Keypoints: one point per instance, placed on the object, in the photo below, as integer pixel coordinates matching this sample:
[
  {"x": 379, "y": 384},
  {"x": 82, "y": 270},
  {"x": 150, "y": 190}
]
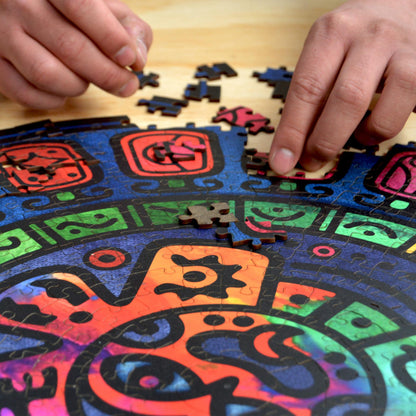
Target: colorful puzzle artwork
[{"x": 110, "y": 306}]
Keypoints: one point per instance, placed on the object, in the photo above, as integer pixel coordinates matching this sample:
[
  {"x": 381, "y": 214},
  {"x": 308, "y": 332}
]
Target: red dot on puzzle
[
  {"x": 149, "y": 382},
  {"x": 107, "y": 259},
  {"x": 324, "y": 251}
]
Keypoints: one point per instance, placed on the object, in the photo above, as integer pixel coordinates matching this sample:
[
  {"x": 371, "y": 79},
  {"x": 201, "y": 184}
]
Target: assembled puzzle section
[{"x": 109, "y": 305}]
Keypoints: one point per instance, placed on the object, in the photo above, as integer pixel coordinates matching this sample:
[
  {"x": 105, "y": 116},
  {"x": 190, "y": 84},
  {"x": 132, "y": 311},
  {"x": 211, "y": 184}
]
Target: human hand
[
  {"x": 362, "y": 47},
  {"x": 52, "y": 49}
]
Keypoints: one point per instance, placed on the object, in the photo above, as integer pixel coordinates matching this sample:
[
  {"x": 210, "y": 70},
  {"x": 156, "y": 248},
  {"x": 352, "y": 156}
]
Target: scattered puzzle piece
[
  {"x": 202, "y": 90},
  {"x": 168, "y": 106},
  {"x": 279, "y": 78},
  {"x": 204, "y": 218},
  {"x": 215, "y": 72},
  {"x": 244, "y": 117}
]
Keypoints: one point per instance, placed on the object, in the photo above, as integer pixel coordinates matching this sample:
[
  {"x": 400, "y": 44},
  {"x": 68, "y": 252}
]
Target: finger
[
  {"x": 40, "y": 68},
  {"x": 138, "y": 30},
  {"x": 107, "y": 32},
  {"x": 347, "y": 104},
  {"x": 15, "y": 87},
  {"x": 395, "y": 104},
  {"x": 312, "y": 80},
  {"x": 78, "y": 52}
]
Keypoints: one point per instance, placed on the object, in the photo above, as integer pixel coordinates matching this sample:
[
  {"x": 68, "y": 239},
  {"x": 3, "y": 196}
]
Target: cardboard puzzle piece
[
  {"x": 151, "y": 79},
  {"x": 202, "y": 90},
  {"x": 279, "y": 78},
  {"x": 215, "y": 71},
  {"x": 167, "y": 106},
  {"x": 204, "y": 218},
  {"x": 244, "y": 117}
]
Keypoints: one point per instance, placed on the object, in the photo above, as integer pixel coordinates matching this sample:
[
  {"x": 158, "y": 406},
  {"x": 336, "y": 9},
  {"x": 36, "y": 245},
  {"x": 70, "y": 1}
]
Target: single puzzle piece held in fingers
[
  {"x": 150, "y": 79},
  {"x": 244, "y": 117},
  {"x": 204, "y": 218}
]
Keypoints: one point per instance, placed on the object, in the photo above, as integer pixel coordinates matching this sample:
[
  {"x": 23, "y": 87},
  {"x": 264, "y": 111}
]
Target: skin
[
  {"x": 361, "y": 48},
  {"x": 49, "y": 50}
]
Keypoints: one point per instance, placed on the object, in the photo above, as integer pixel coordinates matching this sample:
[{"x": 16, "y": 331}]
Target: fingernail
[
  {"x": 125, "y": 56},
  {"x": 129, "y": 88},
  {"x": 141, "y": 51},
  {"x": 282, "y": 160}
]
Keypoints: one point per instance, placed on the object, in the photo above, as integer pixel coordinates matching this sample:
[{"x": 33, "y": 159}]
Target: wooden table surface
[{"x": 248, "y": 35}]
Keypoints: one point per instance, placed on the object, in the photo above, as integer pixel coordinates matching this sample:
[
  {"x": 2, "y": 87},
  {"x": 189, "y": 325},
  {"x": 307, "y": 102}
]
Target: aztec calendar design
[{"x": 110, "y": 306}]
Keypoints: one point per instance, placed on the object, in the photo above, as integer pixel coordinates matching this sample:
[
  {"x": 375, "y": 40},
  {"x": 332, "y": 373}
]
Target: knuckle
[
  {"x": 75, "y": 8},
  {"x": 78, "y": 89},
  {"x": 34, "y": 100},
  {"x": 18, "y": 5},
  {"x": 331, "y": 24},
  {"x": 111, "y": 78},
  {"x": 42, "y": 73},
  {"x": 25, "y": 100},
  {"x": 147, "y": 31},
  {"x": 324, "y": 150},
  {"x": 294, "y": 137},
  {"x": 351, "y": 93},
  {"x": 309, "y": 89},
  {"x": 111, "y": 40},
  {"x": 384, "y": 128},
  {"x": 69, "y": 46},
  {"x": 405, "y": 76},
  {"x": 383, "y": 29}
]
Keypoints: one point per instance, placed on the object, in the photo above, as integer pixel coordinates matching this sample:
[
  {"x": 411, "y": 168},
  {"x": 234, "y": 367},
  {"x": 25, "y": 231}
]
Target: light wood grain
[{"x": 249, "y": 35}]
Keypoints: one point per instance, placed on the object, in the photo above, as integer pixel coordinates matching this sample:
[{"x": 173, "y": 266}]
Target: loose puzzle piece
[
  {"x": 279, "y": 78},
  {"x": 202, "y": 90},
  {"x": 204, "y": 218},
  {"x": 150, "y": 79},
  {"x": 215, "y": 72},
  {"x": 244, "y": 117},
  {"x": 168, "y": 106}
]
